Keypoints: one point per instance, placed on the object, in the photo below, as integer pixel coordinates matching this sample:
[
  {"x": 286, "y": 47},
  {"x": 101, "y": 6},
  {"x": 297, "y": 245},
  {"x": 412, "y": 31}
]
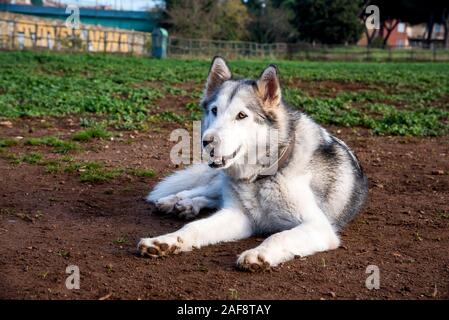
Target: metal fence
[
  {"x": 194, "y": 48},
  {"x": 19, "y": 34},
  {"x": 306, "y": 51}
]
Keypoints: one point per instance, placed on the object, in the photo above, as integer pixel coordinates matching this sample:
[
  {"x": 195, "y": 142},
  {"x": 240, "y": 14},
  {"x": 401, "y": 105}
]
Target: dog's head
[{"x": 242, "y": 118}]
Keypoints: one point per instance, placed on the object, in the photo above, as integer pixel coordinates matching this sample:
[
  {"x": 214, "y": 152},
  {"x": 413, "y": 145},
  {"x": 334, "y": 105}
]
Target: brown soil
[{"x": 50, "y": 221}]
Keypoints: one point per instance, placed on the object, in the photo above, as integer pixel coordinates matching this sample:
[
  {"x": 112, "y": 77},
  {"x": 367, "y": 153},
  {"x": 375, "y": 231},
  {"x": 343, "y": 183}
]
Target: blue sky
[{"x": 118, "y": 4}]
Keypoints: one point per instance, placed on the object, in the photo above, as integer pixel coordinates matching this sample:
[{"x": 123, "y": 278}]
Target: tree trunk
[
  {"x": 389, "y": 31},
  {"x": 446, "y": 28},
  {"x": 430, "y": 24},
  {"x": 369, "y": 37}
]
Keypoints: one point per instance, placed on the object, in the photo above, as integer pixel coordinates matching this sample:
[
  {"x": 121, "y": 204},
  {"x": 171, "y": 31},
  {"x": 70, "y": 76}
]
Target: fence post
[
  {"x": 105, "y": 41},
  {"x": 120, "y": 42},
  {"x": 13, "y": 38},
  {"x": 56, "y": 39},
  {"x": 35, "y": 36},
  {"x": 87, "y": 40},
  {"x": 73, "y": 39}
]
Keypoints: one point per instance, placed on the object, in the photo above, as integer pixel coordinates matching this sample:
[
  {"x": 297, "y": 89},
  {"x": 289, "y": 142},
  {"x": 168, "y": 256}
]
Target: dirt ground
[{"x": 49, "y": 221}]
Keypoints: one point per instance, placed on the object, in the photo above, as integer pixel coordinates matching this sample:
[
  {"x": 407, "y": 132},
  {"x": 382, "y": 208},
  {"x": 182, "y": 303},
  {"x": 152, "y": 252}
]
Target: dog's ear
[
  {"x": 218, "y": 73},
  {"x": 268, "y": 87}
]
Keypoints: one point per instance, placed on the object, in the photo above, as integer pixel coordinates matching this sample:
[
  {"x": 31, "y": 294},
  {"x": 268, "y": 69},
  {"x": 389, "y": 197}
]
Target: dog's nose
[{"x": 207, "y": 140}]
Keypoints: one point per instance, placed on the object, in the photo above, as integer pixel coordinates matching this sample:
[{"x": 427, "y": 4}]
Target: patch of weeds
[
  {"x": 43, "y": 275},
  {"x": 6, "y": 211},
  {"x": 174, "y": 91},
  {"x": 52, "y": 166},
  {"x": 24, "y": 217},
  {"x": 38, "y": 215},
  {"x": 380, "y": 118},
  {"x": 99, "y": 132},
  {"x": 91, "y": 123},
  {"x": 233, "y": 294},
  {"x": 109, "y": 268},
  {"x": 418, "y": 236},
  {"x": 92, "y": 171},
  {"x": 99, "y": 175},
  {"x": 202, "y": 267},
  {"x": 195, "y": 111},
  {"x": 13, "y": 158},
  {"x": 323, "y": 263},
  {"x": 167, "y": 116},
  {"x": 142, "y": 173},
  {"x": 67, "y": 159},
  {"x": 64, "y": 253},
  {"x": 4, "y": 143},
  {"x": 31, "y": 158},
  {"x": 82, "y": 166},
  {"x": 443, "y": 215},
  {"x": 59, "y": 145},
  {"x": 121, "y": 240}
]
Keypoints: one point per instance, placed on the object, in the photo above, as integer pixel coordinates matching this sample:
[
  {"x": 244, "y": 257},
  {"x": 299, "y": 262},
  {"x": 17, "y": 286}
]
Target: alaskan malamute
[{"x": 301, "y": 190}]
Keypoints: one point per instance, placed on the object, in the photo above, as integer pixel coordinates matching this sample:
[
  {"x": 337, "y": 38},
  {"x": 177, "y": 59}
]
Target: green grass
[
  {"x": 93, "y": 171},
  {"x": 404, "y": 98},
  {"x": 92, "y": 133},
  {"x": 121, "y": 240},
  {"x": 53, "y": 166},
  {"x": 31, "y": 158},
  {"x": 59, "y": 145},
  {"x": 87, "y": 171},
  {"x": 142, "y": 173},
  {"x": 4, "y": 142}
]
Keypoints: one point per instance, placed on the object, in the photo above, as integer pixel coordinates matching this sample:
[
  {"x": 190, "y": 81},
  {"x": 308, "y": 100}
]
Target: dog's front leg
[
  {"x": 225, "y": 225},
  {"x": 303, "y": 240}
]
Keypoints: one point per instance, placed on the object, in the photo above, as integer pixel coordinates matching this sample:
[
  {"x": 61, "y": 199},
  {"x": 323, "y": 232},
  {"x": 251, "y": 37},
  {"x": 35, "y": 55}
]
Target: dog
[{"x": 315, "y": 187}]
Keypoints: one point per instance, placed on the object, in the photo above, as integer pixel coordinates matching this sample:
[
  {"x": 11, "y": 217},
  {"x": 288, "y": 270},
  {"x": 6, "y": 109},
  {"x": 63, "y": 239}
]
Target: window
[{"x": 401, "y": 27}]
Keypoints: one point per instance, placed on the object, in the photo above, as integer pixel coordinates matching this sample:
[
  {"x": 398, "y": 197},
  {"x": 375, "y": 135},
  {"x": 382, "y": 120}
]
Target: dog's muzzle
[{"x": 221, "y": 161}]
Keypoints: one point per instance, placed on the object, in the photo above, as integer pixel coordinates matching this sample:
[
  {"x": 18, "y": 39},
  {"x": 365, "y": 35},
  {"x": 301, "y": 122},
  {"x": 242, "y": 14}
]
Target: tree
[
  {"x": 233, "y": 18},
  {"x": 329, "y": 21},
  {"x": 270, "y": 22},
  {"x": 192, "y": 18},
  {"x": 207, "y": 19}
]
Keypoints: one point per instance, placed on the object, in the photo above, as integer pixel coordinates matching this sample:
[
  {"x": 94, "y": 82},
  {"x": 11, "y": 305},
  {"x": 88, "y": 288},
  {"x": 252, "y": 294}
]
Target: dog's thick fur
[{"x": 315, "y": 191}]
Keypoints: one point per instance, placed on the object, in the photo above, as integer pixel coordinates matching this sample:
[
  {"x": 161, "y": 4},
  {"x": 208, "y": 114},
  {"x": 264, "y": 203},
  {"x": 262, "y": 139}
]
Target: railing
[
  {"x": 194, "y": 48},
  {"x": 19, "y": 34},
  {"x": 303, "y": 51}
]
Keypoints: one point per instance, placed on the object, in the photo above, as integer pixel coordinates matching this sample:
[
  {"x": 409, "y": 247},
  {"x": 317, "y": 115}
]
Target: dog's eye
[
  {"x": 241, "y": 116},
  {"x": 214, "y": 110}
]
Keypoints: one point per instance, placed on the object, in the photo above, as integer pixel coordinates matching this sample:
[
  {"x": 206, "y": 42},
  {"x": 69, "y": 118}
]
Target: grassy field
[{"x": 123, "y": 92}]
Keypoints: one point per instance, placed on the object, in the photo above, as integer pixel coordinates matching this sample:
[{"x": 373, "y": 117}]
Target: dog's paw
[
  {"x": 254, "y": 260},
  {"x": 167, "y": 204},
  {"x": 187, "y": 208},
  {"x": 160, "y": 246}
]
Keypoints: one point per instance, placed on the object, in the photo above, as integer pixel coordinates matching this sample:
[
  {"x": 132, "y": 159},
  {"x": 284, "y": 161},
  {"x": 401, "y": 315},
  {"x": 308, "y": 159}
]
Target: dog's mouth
[{"x": 224, "y": 160}]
